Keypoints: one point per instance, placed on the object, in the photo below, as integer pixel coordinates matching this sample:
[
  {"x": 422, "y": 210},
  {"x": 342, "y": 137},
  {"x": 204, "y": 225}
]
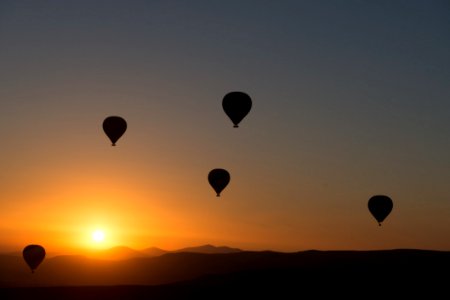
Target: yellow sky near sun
[
  {"x": 170, "y": 208},
  {"x": 57, "y": 193},
  {"x": 144, "y": 211}
]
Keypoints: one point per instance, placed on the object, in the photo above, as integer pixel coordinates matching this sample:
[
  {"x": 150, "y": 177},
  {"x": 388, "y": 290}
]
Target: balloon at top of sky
[
  {"x": 380, "y": 207},
  {"x": 218, "y": 179},
  {"x": 114, "y": 127},
  {"x": 236, "y": 105},
  {"x": 33, "y": 256}
]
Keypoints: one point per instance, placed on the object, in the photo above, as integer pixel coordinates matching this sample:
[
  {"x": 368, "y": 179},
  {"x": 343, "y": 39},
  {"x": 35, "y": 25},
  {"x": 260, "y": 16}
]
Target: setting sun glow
[{"x": 98, "y": 236}]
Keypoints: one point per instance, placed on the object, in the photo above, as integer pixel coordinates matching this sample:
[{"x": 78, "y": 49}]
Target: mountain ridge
[
  {"x": 76, "y": 270},
  {"x": 124, "y": 252}
]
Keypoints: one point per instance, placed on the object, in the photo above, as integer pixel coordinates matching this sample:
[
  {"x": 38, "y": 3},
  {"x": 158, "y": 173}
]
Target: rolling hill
[
  {"x": 123, "y": 252},
  {"x": 209, "y": 249},
  {"x": 154, "y": 251},
  {"x": 250, "y": 267}
]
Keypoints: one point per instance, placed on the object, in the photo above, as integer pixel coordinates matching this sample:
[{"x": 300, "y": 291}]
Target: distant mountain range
[
  {"x": 209, "y": 249},
  {"x": 229, "y": 267},
  {"x": 122, "y": 252}
]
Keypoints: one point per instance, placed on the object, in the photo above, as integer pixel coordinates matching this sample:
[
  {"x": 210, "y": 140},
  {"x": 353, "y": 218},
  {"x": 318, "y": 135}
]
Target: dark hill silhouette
[
  {"x": 340, "y": 270},
  {"x": 209, "y": 249},
  {"x": 122, "y": 252},
  {"x": 154, "y": 251},
  {"x": 206, "y": 249}
]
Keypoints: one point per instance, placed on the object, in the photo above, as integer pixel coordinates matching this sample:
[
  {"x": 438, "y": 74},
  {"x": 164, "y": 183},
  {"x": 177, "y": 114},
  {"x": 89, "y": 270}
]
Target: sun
[{"x": 98, "y": 236}]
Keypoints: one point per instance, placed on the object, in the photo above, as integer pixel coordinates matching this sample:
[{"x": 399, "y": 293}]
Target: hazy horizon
[
  {"x": 90, "y": 250},
  {"x": 229, "y": 270}
]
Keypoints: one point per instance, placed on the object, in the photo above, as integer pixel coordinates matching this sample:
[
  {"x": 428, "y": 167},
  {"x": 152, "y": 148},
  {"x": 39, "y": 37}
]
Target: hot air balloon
[
  {"x": 114, "y": 128},
  {"x": 236, "y": 105},
  {"x": 218, "y": 179},
  {"x": 33, "y": 256},
  {"x": 380, "y": 207}
]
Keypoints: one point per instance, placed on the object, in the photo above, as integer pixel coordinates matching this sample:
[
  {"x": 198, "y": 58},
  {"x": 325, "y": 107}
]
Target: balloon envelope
[
  {"x": 218, "y": 179},
  {"x": 114, "y": 127},
  {"x": 33, "y": 256},
  {"x": 380, "y": 207},
  {"x": 236, "y": 105}
]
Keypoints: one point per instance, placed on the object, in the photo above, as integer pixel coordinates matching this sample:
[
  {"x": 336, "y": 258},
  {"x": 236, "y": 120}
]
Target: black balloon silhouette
[
  {"x": 33, "y": 256},
  {"x": 236, "y": 105},
  {"x": 380, "y": 207},
  {"x": 218, "y": 179},
  {"x": 114, "y": 128}
]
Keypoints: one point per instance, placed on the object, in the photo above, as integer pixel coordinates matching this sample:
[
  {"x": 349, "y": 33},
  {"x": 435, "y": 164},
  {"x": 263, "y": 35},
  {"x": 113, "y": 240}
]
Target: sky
[{"x": 350, "y": 99}]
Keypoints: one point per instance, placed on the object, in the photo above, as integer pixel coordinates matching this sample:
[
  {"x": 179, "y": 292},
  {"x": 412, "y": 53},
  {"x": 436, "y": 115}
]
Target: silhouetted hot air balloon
[
  {"x": 380, "y": 207},
  {"x": 236, "y": 105},
  {"x": 114, "y": 128},
  {"x": 218, "y": 179},
  {"x": 33, "y": 256}
]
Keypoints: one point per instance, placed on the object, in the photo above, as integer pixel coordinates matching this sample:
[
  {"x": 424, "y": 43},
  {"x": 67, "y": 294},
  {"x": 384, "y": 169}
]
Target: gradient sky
[{"x": 350, "y": 99}]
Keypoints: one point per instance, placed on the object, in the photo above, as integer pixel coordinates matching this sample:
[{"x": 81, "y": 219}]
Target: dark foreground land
[{"x": 303, "y": 275}]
